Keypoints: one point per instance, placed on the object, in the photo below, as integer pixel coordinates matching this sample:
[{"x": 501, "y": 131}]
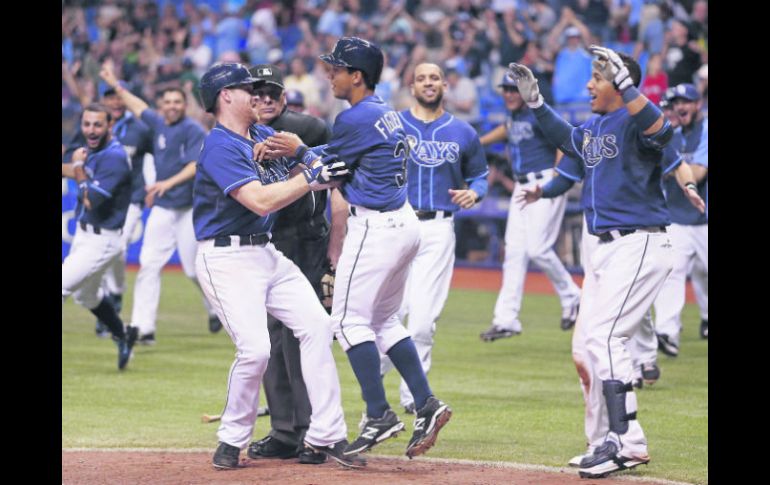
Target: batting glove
[
  {"x": 326, "y": 171},
  {"x": 611, "y": 67},
  {"x": 526, "y": 83}
]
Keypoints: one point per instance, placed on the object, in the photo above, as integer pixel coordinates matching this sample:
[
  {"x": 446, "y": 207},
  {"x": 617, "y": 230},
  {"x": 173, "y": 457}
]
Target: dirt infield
[{"x": 163, "y": 467}]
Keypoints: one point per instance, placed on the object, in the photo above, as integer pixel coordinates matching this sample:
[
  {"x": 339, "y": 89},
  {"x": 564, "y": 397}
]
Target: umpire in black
[{"x": 301, "y": 233}]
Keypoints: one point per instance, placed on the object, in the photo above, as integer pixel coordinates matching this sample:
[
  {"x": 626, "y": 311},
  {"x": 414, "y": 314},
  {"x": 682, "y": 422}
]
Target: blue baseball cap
[
  {"x": 294, "y": 97},
  {"x": 107, "y": 90},
  {"x": 508, "y": 81},
  {"x": 686, "y": 91}
]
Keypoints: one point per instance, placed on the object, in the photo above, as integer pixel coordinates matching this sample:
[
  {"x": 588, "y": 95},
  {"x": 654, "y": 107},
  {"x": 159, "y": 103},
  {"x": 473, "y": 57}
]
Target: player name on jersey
[{"x": 388, "y": 123}]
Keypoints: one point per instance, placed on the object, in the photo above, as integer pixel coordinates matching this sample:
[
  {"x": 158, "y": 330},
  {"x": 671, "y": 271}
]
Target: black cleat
[
  {"x": 569, "y": 317},
  {"x": 704, "y": 329},
  {"x": 427, "y": 423},
  {"x": 667, "y": 346},
  {"x": 270, "y": 447},
  {"x": 308, "y": 456},
  {"x": 214, "y": 324},
  {"x": 606, "y": 460},
  {"x": 147, "y": 339},
  {"x": 226, "y": 457},
  {"x": 339, "y": 453},
  {"x": 494, "y": 332},
  {"x": 375, "y": 431}
]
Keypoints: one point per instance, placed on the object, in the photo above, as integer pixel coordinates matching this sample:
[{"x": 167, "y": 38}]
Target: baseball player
[
  {"x": 622, "y": 154},
  {"x": 176, "y": 144},
  {"x": 247, "y": 277},
  {"x": 102, "y": 170},
  {"x": 447, "y": 171},
  {"x": 136, "y": 139},
  {"x": 301, "y": 232},
  {"x": 382, "y": 240},
  {"x": 531, "y": 233},
  {"x": 642, "y": 346},
  {"x": 689, "y": 228}
]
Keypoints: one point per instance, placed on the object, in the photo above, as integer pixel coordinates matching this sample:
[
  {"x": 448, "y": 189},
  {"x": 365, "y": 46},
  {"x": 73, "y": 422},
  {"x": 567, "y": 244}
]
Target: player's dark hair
[
  {"x": 634, "y": 70},
  {"x": 367, "y": 81},
  {"x": 99, "y": 108},
  {"x": 174, "y": 89}
]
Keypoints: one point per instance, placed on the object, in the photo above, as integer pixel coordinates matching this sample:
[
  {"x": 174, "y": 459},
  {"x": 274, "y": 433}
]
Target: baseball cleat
[
  {"x": 427, "y": 423},
  {"x": 569, "y": 317},
  {"x": 704, "y": 329},
  {"x": 574, "y": 462},
  {"x": 125, "y": 345},
  {"x": 375, "y": 431},
  {"x": 340, "y": 452},
  {"x": 226, "y": 457},
  {"x": 494, "y": 332},
  {"x": 147, "y": 339},
  {"x": 101, "y": 330},
  {"x": 308, "y": 456},
  {"x": 667, "y": 346},
  {"x": 409, "y": 408},
  {"x": 270, "y": 447},
  {"x": 650, "y": 373},
  {"x": 606, "y": 460},
  {"x": 214, "y": 324}
]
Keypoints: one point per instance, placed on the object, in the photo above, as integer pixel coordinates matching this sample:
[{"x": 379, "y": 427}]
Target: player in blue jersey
[
  {"x": 622, "y": 154},
  {"x": 643, "y": 345},
  {"x": 136, "y": 139},
  {"x": 102, "y": 170},
  {"x": 382, "y": 240},
  {"x": 447, "y": 172},
  {"x": 689, "y": 228},
  {"x": 244, "y": 274},
  {"x": 177, "y": 143},
  {"x": 530, "y": 232}
]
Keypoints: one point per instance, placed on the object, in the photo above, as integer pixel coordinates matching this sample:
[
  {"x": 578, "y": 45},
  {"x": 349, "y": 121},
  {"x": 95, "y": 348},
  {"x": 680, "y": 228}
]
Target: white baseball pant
[
  {"x": 114, "y": 281},
  {"x": 699, "y": 276},
  {"x": 690, "y": 242},
  {"x": 624, "y": 277},
  {"x": 427, "y": 288},
  {"x": 530, "y": 234},
  {"x": 643, "y": 346},
  {"x": 167, "y": 229},
  {"x": 82, "y": 269},
  {"x": 371, "y": 277},
  {"x": 245, "y": 283}
]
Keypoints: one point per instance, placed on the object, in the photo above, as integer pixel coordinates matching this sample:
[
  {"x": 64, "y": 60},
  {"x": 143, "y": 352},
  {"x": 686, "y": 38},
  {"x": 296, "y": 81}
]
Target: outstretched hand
[
  {"x": 611, "y": 67},
  {"x": 526, "y": 83}
]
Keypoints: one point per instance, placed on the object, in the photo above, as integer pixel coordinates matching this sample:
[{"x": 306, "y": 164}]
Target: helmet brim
[{"x": 330, "y": 59}]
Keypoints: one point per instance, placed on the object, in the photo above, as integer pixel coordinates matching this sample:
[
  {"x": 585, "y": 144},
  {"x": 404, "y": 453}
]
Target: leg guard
[{"x": 615, "y": 396}]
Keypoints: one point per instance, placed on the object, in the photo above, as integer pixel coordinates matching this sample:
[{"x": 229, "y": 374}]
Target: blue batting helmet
[
  {"x": 686, "y": 91},
  {"x": 219, "y": 77},
  {"x": 357, "y": 54}
]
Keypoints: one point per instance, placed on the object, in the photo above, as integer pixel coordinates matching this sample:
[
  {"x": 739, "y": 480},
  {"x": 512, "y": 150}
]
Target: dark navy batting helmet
[
  {"x": 358, "y": 54},
  {"x": 508, "y": 81},
  {"x": 219, "y": 77}
]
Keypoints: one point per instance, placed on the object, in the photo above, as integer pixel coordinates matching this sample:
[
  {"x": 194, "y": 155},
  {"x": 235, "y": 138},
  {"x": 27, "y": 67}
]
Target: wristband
[
  {"x": 77, "y": 164},
  {"x": 691, "y": 185},
  {"x": 300, "y": 153}
]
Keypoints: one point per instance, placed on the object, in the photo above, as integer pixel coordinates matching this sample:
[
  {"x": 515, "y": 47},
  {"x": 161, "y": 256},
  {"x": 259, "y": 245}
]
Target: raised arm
[{"x": 134, "y": 103}]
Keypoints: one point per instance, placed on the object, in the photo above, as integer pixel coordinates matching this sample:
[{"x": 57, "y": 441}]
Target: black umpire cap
[{"x": 267, "y": 73}]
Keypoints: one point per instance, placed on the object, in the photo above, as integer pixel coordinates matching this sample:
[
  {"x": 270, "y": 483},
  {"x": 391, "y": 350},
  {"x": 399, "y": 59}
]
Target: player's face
[
  {"x": 244, "y": 102},
  {"x": 172, "y": 105},
  {"x": 603, "y": 93},
  {"x": 686, "y": 110},
  {"x": 342, "y": 82},
  {"x": 115, "y": 104},
  {"x": 512, "y": 98},
  {"x": 428, "y": 87},
  {"x": 95, "y": 128},
  {"x": 271, "y": 99}
]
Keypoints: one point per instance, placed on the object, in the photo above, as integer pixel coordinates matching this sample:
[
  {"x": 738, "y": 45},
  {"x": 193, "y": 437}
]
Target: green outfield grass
[{"x": 514, "y": 400}]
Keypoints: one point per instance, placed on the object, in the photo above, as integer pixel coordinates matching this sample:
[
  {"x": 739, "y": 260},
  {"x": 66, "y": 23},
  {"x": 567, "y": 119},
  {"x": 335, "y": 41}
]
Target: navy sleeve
[
  {"x": 347, "y": 142},
  {"x": 228, "y": 168},
  {"x": 671, "y": 159},
  {"x": 556, "y": 187},
  {"x": 571, "y": 167},
  {"x": 109, "y": 171},
  {"x": 152, "y": 118},
  {"x": 560, "y": 133},
  {"x": 193, "y": 143}
]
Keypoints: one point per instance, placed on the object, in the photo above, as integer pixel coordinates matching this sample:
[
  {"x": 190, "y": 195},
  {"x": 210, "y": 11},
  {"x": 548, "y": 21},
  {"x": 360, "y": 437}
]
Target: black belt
[
  {"x": 84, "y": 226},
  {"x": 353, "y": 210},
  {"x": 616, "y": 234},
  {"x": 428, "y": 215},
  {"x": 523, "y": 179},
  {"x": 247, "y": 240}
]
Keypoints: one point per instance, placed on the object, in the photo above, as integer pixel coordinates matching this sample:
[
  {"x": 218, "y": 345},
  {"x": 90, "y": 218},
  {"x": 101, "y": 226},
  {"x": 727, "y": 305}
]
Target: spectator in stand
[
  {"x": 594, "y": 14},
  {"x": 303, "y": 82},
  {"x": 699, "y": 24},
  {"x": 506, "y": 31},
  {"x": 199, "y": 53},
  {"x": 262, "y": 32},
  {"x": 681, "y": 54},
  {"x": 651, "y": 31},
  {"x": 572, "y": 68},
  {"x": 230, "y": 29},
  {"x": 295, "y": 101},
  {"x": 655, "y": 80},
  {"x": 461, "y": 98}
]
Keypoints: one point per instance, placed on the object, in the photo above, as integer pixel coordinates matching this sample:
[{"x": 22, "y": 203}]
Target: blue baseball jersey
[
  {"x": 528, "y": 148},
  {"x": 226, "y": 163},
  {"x": 136, "y": 138},
  {"x": 109, "y": 176},
  {"x": 623, "y": 169},
  {"x": 693, "y": 146},
  {"x": 174, "y": 146},
  {"x": 371, "y": 139},
  {"x": 444, "y": 154}
]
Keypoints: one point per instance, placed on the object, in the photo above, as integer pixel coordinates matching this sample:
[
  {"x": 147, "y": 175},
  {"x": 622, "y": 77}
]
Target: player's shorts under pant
[
  {"x": 690, "y": 245},
  {"x": 371, "y": 277},
  {"x": 623, "y": 277},
  {"x": 167, "y": 230},
  {"x": 84, "y": 266},
  {"x": 244, "y": 283},
  {"x": 530, "y": 234},
  {"x": 427, "y": 288}
]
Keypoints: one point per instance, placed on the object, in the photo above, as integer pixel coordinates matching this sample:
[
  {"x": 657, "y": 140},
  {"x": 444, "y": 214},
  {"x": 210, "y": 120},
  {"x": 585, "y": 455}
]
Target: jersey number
[{"x": 402, "y": 150}]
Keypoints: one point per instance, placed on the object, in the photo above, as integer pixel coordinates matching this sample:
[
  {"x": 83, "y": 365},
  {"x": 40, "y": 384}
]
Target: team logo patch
[
  {"x": 433, "y": 153},
  {"x": 597, "y": 148},
  {"x": 520, "y": 130},
  {"x": 162, "y": 141}
]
